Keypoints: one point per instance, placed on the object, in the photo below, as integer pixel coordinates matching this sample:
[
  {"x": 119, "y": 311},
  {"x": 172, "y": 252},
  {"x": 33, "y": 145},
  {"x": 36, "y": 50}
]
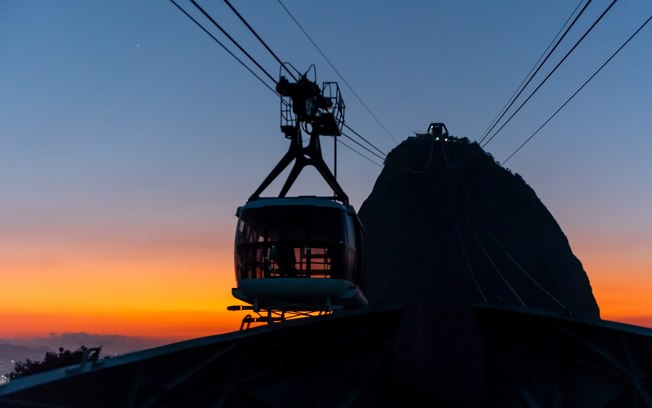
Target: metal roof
[{"x": 340, "y": 359}]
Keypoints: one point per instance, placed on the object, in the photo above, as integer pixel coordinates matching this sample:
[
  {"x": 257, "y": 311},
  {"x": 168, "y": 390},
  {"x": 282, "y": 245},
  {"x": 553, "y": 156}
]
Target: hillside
[{"x": 448, "y": 228}]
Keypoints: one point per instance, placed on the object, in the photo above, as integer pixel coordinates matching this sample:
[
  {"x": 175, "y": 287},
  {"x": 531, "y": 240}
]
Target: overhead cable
[
  {"x": 363, "y": 146},
  {"x": 368, "y": 142},
  {"x": 225, "y": 48},
  {"x": 509, "y": 256},
  {"x": 336, "y": 71},
  {"x": 528, "y": 78},
  {"x": 579, "y": 89},
  {"x": 422, "y": 170},
  {"x": 491, "y": 261},
  {"x": 464, "y": 253},
  {"x": 259, "y": 38},
  {"x": 360, "y": 154},
  {"x": 465, "y": 191},
  {"x": 453, "y": 182},
  {"x": 459, "y": 234},
  {"x": 537, "y": 66},
  {"x": 216, "y": 24},
  {"x": 553, "y": 71},
  {"x": 207, "y": 15}
]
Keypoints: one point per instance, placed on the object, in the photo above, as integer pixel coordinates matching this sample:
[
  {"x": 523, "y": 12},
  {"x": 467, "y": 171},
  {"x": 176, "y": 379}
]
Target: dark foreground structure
[
  {"x": 534, "y": 358},
  {"x": 531, "y": 358},
  {"x": 338, "y": 360}
]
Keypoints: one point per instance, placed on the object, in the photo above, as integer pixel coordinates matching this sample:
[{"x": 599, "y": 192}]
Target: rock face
[{"x": 447, "y": 228}]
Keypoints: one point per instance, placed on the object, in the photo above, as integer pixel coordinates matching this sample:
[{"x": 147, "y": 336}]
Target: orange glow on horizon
[
  {"x": 177, "y": 285},
  {"x": 620, "y": 278},
  {"x": 170, "y": 325},
  {"x": 166, "y": 284}
]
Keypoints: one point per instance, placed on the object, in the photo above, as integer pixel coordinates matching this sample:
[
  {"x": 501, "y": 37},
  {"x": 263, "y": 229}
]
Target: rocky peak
[{"x": 447, "y": 228}]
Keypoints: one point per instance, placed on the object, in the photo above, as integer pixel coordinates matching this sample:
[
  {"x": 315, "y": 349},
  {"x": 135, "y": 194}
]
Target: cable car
[
  {"x": 438, "y": 130},
  {"x": 300, "y": 254}
]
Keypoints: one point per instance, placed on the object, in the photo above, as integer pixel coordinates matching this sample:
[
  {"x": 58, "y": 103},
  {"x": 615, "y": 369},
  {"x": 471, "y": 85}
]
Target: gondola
[{"x": 301, "y": 254}]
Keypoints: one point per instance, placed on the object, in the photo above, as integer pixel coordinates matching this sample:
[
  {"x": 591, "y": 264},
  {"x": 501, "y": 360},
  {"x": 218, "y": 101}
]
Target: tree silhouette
[{"x": 54, "y": 360}]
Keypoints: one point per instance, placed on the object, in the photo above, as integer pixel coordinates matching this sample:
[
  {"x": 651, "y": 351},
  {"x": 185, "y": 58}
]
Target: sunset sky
[{"x": 129, "y": 138}]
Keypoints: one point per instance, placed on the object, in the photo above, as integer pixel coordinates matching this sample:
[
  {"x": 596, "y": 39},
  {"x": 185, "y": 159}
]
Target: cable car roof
[{"x": 313, "y": 201}]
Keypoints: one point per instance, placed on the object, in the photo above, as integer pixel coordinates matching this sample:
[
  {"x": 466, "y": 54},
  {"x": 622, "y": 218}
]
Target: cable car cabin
[{"x": 300, "y": 253}]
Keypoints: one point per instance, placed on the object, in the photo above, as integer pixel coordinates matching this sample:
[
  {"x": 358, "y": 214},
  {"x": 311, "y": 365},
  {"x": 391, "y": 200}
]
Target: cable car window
[{"x": 295, "y": 241}]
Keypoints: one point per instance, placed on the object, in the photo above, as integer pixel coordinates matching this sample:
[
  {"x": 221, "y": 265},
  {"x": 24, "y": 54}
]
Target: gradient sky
[{"x": 129, "y": 138}]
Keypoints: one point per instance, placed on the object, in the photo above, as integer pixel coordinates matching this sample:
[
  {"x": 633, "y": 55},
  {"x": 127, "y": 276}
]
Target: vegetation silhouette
[{"x": 54, "y": 360}]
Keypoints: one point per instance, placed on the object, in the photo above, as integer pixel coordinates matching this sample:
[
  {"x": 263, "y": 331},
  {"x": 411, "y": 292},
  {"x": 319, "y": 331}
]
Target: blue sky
[{"x": 126, "y": 132}]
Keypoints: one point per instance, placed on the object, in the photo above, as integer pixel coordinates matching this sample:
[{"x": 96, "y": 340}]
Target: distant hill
[
  {"x": 14, "y": 352},
  {"x": 446, "y": 228}
]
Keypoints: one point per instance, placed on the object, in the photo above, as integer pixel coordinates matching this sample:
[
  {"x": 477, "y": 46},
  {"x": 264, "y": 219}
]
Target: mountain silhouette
[{"x": 448, "y": 228}]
